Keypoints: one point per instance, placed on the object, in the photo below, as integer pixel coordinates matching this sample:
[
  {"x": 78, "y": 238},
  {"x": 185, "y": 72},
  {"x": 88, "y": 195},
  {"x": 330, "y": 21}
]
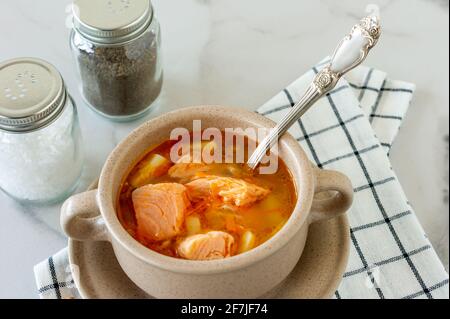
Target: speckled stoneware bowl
[{"x": 247, "y": 275}]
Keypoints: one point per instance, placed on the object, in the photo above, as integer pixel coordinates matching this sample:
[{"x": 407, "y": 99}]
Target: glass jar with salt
[
  {"x": 116, "y": 45},
  {"x": 40, "y": 141}
]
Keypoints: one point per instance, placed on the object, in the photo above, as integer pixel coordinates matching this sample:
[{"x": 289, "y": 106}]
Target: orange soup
[{"x": 201, "y": 211}]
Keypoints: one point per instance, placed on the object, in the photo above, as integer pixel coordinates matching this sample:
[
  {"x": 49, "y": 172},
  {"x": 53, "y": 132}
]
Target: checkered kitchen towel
[{"x": 350, "y": 130}]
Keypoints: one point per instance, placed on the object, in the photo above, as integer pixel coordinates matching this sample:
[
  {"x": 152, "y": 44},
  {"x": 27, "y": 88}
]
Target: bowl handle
[
  {"x": 333, "y": 195},
  {"x": 81, "y": 219}
]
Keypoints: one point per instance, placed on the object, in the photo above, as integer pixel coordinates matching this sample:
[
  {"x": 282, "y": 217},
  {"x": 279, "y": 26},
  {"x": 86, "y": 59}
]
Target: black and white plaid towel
[{"x": 350, "y": 130}]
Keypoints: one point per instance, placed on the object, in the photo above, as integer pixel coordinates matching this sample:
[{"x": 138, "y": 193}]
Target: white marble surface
[{"x": 240, "y": 53}]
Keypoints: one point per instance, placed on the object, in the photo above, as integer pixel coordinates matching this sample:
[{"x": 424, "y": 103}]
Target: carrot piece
[{"x": 232, "y": 226}]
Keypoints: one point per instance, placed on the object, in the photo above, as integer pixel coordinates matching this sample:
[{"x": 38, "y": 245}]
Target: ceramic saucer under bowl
[{"x": 317, "y": 274}]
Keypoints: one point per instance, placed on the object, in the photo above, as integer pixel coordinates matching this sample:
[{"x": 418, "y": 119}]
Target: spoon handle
[{"x": 350, "y": 53}]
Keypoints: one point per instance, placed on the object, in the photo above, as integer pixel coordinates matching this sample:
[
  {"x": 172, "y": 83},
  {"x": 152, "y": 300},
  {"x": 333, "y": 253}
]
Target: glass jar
[
  {"x": 40, "y": 141},
  {"x": 116, "y": 45}
]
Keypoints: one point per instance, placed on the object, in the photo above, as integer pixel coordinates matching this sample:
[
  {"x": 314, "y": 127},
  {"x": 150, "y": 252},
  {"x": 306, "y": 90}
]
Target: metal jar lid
[
  {"x": 32, "y": 95},
  {"x": 111, "y": 21}
]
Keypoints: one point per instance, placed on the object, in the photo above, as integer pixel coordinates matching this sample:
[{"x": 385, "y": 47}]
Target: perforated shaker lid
[
  {"x": 32, "y": 94},
  {"x": 111, "y": 21}
]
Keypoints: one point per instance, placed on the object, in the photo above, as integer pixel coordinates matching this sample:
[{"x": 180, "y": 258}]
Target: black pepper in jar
[{"x": 120, "y": 70}]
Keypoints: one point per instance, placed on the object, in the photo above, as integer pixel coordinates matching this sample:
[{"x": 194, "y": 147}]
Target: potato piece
[
  {"x": 156, "y": 166},
  {"x": 274, "y": 218},
  {"x": 193, "y": 225},
  {"x": 271, "y": 202},
  {"x": 248, "y": 241}
]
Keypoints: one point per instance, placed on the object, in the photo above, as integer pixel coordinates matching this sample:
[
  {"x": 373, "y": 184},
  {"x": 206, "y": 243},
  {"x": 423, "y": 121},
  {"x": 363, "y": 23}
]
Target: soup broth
[{"x": 207, "y": 211}]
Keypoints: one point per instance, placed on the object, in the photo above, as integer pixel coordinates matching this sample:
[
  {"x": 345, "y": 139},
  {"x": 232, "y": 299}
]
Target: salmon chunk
[
  {"x": 212, "y": 245},
  {"x": 231, "y": 190},
  {"x": 187, "y": 170},
  {"x": 160, "y": 210}
]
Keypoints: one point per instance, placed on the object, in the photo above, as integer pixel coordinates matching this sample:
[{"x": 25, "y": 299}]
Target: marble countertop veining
[{"x": 241, "y": 53}]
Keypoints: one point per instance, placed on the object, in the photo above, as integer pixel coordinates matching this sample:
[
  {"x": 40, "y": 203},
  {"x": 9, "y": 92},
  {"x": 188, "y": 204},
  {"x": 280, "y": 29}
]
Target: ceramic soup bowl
[{"x": 91, "y": 216}]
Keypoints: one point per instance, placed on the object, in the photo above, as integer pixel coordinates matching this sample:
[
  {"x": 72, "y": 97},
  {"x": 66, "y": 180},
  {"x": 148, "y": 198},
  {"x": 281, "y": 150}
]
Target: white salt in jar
[{"x": 40, "y": 141}]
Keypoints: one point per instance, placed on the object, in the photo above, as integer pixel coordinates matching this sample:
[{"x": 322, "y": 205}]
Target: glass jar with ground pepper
[{"x": 116, "y": 44}]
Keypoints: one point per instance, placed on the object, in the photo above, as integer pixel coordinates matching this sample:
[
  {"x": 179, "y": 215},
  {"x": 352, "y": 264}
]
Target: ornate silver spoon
[{"x": 350, "y": 53}]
